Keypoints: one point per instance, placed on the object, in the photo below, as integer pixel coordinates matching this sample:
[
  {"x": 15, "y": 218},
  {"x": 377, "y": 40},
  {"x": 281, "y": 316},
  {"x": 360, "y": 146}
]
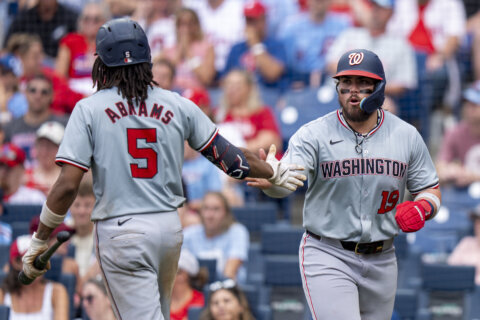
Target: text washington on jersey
[{"x": 363, "y": 166}]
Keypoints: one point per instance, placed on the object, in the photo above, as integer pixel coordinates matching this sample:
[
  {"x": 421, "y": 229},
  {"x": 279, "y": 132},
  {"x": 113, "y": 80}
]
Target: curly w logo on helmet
[{"x": 355, "y": 58}]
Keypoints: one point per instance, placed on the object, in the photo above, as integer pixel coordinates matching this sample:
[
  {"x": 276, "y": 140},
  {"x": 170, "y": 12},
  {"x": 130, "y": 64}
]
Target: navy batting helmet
[
  {"x": 122, "y": 42},
  {"x": 365, "y": 63}
]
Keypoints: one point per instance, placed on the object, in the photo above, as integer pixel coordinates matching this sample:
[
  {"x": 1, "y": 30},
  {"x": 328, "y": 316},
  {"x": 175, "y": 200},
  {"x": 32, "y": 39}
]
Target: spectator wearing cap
[
  {"x": 263, "y": 56},
  {"x": 22, "y": 131},
  {"x": 458, "y": 161},
  {"x": 44, "y": 172},
  {"x": 307, "y": 38},
  {"x": 397, "y": 55},
  {"x": 192, "y": 54},
  {"x": 12, "y": 177},
  {"x": 188, "y": 286},
  {"x": 41, "y": 299},
  {"x": 467, "y": 251}
]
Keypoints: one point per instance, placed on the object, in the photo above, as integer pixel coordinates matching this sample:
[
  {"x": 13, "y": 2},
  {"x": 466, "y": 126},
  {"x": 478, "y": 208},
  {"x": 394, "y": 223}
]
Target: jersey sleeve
[
  {"x": 76, "y": 147},
  {"x": 200, "y": 130},
  {"x": 301, "y": 151},
  {"x": 421, "y": 170}
]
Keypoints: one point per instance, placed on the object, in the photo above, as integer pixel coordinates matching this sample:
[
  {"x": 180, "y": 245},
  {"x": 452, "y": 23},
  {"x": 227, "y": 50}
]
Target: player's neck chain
[{"x": 359, "y": 143}]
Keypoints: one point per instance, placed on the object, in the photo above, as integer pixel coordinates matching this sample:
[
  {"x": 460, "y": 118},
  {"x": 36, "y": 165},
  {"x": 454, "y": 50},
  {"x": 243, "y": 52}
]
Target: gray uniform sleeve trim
[{"x": 61, "y": 161}]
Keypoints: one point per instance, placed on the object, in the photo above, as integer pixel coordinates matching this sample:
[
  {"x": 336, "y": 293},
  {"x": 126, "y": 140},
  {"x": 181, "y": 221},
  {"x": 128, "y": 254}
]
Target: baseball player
[
  {"x": 131, "y": 135},
  {"x": 359, "y": 160}
]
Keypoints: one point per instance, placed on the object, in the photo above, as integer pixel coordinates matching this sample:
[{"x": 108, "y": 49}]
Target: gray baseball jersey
[
  {"x": 354, "y": 181},
  {"x": 135, "y": 152}
]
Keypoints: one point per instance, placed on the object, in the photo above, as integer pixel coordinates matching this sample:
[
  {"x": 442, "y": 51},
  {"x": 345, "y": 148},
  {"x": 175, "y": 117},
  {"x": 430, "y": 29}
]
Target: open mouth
[{"x": 354, "y": 101}]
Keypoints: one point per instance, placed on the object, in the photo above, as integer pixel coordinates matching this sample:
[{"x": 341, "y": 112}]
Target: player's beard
[{"x": 353, "y": 113}]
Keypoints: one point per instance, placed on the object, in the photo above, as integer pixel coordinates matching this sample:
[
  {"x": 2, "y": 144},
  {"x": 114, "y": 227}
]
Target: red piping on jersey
[
  {"x": 305, "y": 277},
  {"x": 71, "y": 163},
  {"x": 209, "y": 142},
  {"x": 434, "y": 187},
  {"x": 97, "y": 249}
]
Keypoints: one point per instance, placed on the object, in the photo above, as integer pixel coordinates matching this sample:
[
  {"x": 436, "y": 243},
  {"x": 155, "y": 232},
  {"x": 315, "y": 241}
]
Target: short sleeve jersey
[
  {"x": 135, "y": 152},
  {"x": 354, "y": 186}
]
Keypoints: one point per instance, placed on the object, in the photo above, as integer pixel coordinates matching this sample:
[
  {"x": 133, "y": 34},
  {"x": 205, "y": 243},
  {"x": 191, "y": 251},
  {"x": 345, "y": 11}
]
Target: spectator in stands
[
  {"x": 13, "y": 103},
  {"x": 188, "y": 286},
  {"x": 83, "y": 239},
  {"x": 44, "y": 172},
  {"x": 259, "y": 54},
  {"x": 163, "y": 73},
  {"x": 435, "y": 29},
  {"x": 222, "y": 22},
  {"x": 76, "y": 53},
  {"x": 192, "y": 54},
  {"x": 397, "y": 55},
  {"x": 241, "y": 106},
  {"x": 95, "y": 300},
  {"x": 307, "y": 39},
  {"x": 49, "y": 19},
  {"x": 41, "y": 299},
  {"x": 458, "y": 161},
  {"x": 5, "y": 228},
  {"x": 219, "y": 237},
  {"x": 278, "y": 12},
  {"x": 200, "y": 176},
  {"x": 29, "y": 50},
  {"x": 156, "y": 18},
  {"x": 467, "y": 251},
  {"x": 226, "y": 301},
  {"x": 12, "y": 177},
  {"x": 23, "y": 131}
]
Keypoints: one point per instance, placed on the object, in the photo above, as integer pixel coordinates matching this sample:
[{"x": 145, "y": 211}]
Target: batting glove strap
[
  {"x": 410, "y": 216},
  {"x": 36, "y": 247},
  {"x": 284, "y": 175}
]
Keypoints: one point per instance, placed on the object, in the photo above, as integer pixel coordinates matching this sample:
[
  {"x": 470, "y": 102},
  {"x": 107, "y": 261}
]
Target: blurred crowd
[{"x": 227, "y": 56}]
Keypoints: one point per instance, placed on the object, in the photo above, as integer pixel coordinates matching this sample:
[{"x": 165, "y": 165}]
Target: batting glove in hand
[
  {"x": 284, "y": 175},
  {"x": 36, "y": 247},
  {"x": 411, "y": 215}
]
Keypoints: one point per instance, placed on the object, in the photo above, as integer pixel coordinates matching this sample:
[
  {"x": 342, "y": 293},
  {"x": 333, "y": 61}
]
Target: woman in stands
[
  {"x": 241, "y": 106},
  {"x": 226, "y": 301},
  {"x": 219, "y": 237},
  {"x": 95, "y": 302},
  {"x": 40, "y": 300}
]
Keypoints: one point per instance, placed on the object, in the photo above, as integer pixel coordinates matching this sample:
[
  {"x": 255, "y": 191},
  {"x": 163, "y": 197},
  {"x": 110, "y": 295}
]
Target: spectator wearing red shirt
[
  {"x": 189, "y": 280},
  {"x": 241, "y": 106},
  {"x": 76, "y": 53}
]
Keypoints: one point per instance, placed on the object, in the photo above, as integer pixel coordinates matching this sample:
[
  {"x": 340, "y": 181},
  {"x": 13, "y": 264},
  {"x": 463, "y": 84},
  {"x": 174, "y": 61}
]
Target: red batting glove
[{"x": 411, "y": 215}]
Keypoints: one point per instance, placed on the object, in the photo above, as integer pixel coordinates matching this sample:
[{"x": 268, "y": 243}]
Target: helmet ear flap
[{"x": 375, "y": 100}]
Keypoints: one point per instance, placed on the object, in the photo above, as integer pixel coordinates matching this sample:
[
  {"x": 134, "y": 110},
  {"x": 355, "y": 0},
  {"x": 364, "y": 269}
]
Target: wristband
[
  {"x": 432, "y": 199},
  {"x": 49, "y": 218},
  {"x": 258, "y": 49}
]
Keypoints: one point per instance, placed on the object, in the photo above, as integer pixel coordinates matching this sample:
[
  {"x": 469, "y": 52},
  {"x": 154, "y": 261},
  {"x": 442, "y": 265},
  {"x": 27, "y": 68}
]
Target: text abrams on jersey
[
  {"x": 361, "y": 166},
  {"x": 156, "y": 112}
]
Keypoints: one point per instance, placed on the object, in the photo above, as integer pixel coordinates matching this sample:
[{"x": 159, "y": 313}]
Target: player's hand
[
  {"x": 411, "y": 215},
  {"x": 37, "y": 247},
  {"x": 284, "y": 175}
]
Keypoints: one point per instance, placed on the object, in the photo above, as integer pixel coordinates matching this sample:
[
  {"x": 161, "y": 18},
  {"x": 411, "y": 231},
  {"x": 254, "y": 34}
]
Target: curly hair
[{"x": 132, "y": 81}]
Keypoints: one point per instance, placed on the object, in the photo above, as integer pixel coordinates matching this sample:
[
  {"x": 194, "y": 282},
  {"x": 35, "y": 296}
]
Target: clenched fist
[{"x": 411, "y": 215}]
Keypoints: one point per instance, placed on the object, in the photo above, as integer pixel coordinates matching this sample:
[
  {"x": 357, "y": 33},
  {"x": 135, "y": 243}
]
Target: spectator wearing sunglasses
[
  {"x": 226, "y": 301},
  {"x": 23, "y": 131},
  {"x": 95, "y": 302},
  {"x": 76, "y": 53}
]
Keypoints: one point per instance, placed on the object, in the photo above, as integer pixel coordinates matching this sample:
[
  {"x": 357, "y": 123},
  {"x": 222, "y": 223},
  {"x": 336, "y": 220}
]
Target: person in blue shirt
[{"x": 259, "y": 54}]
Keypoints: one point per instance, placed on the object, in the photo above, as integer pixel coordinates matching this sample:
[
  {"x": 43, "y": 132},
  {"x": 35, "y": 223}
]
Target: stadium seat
[
  {"x": 447, "y": 291},
  {"x": 458, "y": 198},
  {"x": 4, "y": 254},
  {"x": 255, "y": 215},
  {"x": 4, "y": 312},
  {"x": 69, "y": 281},
  {"x": 3, "y": 274},
  {"x": 301, "y": 106},
  {"x": 19, "y": 228},
  {"x": 194, "y": 313},
  {"x": 55, "y": 270},
  {"x": 282, "y": 270},
  {"x": 269, "y": 96},
  {"x": 451, "y": 218},
  {"x": 439, "y": 243},
  {"x": 255, "y": 264},
  {"x": 211, "y": 265},
  {"x": 280, "y": 238},
  {"x": 406, "y": 304},
  {"x": 17, "y": 212}
]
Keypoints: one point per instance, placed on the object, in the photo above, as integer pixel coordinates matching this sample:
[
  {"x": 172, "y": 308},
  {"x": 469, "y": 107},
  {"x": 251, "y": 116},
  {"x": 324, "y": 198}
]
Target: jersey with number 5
[
  {"x": 135, "y": 152},
  {"x": 355, "y": 182}
]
